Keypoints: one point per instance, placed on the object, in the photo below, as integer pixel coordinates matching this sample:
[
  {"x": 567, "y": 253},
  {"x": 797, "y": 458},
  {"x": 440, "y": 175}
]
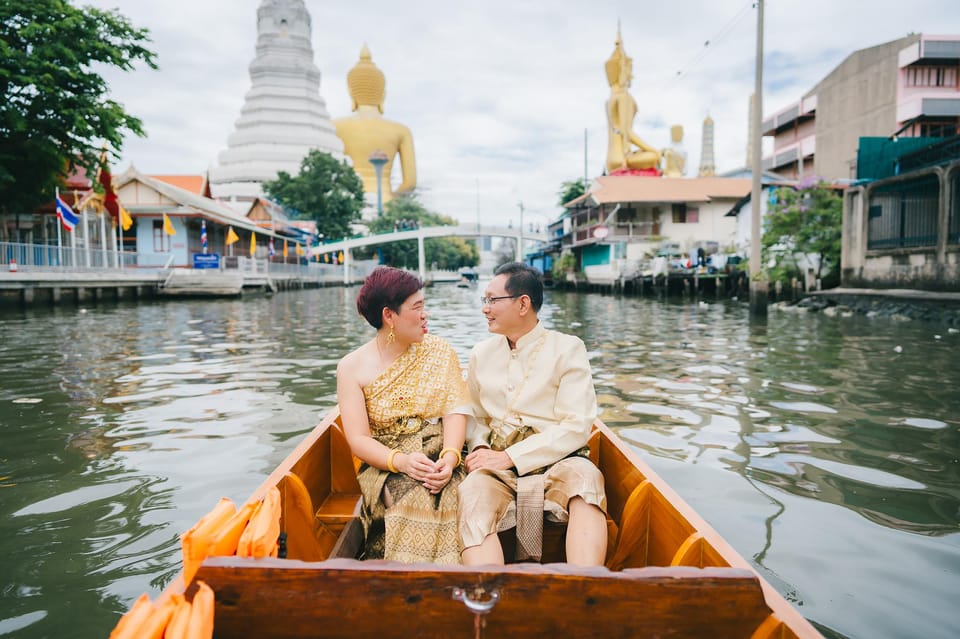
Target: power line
[{"x": 724, "y": 31}]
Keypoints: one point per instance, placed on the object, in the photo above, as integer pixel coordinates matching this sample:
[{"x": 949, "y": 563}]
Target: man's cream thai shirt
[{"x": 544, "y": 383}]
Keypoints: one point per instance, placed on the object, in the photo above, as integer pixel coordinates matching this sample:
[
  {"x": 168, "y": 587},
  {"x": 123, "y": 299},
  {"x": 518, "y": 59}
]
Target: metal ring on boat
[{"x": 477, "y": 606}]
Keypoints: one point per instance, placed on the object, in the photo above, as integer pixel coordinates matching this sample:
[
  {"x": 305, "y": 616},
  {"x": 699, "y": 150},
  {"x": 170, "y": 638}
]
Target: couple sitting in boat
[{"x": 525, "y": 414}]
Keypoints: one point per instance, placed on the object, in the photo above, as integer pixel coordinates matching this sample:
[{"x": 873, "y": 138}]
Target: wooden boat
[{"x": 667, "y": 574}]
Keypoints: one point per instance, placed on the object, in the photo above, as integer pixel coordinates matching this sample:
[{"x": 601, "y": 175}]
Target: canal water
[{"x": 825, "y": 450}]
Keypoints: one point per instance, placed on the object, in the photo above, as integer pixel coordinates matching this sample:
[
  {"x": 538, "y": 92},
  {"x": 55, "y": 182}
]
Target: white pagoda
[{"x": 283, "y": 116}]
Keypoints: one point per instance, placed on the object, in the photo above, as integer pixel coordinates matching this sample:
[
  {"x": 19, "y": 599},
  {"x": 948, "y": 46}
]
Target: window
[
  {"x": 679, "y": 213},
  {"x": 937, "y": 129},
  {"x": 161, "y": 242},
  {"x": 683, "y": 214},
  {"x": 932, "y": 76}
]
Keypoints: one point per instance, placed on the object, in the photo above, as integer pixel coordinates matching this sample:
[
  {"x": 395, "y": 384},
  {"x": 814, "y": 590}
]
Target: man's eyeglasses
[{"x": 490, "y": 300}]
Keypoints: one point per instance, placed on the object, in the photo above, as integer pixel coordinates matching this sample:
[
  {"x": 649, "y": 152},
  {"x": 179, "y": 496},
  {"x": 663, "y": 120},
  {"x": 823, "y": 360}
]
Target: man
[{"x": 534, "y": 403}]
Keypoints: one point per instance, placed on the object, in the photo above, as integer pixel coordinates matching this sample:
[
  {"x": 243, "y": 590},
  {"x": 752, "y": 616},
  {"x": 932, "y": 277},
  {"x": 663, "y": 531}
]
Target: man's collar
[{"x": 531, "y": 336}]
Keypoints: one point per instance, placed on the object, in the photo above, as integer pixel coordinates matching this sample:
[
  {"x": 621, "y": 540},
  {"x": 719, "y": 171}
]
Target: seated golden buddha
[
  {"x": 367, "y": 131},
  {"x": 625, "y": 150}
]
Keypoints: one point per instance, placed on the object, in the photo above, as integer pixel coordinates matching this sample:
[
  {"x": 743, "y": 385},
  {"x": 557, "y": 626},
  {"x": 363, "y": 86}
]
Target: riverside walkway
[{"x": 38, "y": 273}]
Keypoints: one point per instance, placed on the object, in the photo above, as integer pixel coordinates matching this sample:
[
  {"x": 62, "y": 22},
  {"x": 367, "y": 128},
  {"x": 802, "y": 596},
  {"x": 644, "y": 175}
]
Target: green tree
[
  {"x": 571, "y": 190},
  {"x": 326, "y": 190},
  {"x": 448, "y": 253},
  {"x": 804, "y": 221},
  {"x": 55, "y": 109}
]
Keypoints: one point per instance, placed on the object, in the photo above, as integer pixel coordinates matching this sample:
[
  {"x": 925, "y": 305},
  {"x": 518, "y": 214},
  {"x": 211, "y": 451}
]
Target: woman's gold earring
[{"x": 391, "y": 337}]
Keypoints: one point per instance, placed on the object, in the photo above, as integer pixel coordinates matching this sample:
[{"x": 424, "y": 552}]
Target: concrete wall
[
  {"x": 857, "y": 99},
  {"x": 935, "y": 268}
]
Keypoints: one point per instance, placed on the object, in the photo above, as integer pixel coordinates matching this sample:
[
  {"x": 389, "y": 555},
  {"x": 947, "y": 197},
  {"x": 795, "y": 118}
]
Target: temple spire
[
  {"x": 707, "y": 166},
  {"x": 284, "y": 116}
]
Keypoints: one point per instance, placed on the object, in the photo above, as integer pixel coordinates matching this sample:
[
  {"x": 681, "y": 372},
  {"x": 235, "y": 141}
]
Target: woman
[{"x": 403, "y": 403}]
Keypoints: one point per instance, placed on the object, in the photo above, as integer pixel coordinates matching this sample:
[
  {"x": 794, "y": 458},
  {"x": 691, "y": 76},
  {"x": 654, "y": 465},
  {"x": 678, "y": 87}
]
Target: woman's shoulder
[{"x": 354, "y": 360}]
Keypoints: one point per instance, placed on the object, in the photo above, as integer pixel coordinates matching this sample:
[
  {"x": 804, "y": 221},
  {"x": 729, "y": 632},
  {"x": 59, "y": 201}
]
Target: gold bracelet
[
  {"x": 390, "y": 466},
  {"x": 451, "y": 450}
]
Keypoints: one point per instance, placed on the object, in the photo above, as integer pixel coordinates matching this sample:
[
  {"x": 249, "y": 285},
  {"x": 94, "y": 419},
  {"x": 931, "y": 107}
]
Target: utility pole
[
  {"x": 520, "y": 243},
  {"x": 758, "y": 289},
  {"x": 584, "y": 158}
]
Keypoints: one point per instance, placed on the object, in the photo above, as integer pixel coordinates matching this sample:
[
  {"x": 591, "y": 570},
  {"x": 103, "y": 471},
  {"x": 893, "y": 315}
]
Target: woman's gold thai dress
[{"x": 405, "y": 405}]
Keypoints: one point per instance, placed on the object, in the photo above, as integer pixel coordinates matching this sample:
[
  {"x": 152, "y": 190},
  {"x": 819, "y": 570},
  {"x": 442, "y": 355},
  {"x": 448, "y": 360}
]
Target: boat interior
[{"x": 666, "y": 569}]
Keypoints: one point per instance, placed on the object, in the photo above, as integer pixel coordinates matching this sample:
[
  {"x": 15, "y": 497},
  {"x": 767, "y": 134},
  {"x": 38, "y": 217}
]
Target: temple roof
[
  {"x": 193, "y": 183},
  {"x": 180, "y": 201},
  {"x": 610, "y": 189}
]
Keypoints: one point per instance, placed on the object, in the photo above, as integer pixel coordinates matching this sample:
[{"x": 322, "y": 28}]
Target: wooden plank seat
[{"x": 348, "y": 598}]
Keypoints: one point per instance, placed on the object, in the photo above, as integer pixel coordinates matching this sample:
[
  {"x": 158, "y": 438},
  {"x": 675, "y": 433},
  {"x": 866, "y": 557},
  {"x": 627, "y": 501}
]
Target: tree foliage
[
  {"x": 448, "y": 253},
  {"x": 326, "y": 190},
  {"x": 804, "y": 222},
  {"x": 54, "y": 107},
  {"x": 571, "y": 190}
]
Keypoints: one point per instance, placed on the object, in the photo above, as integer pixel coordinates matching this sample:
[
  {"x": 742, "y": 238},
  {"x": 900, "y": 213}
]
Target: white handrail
[{"x": 169, "y": 277}]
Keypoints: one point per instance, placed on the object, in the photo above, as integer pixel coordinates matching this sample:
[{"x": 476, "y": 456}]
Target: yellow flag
[
  {"x": 340, "y": 257},
  {"x": 125, "y": 220},
  {"x": 168, "y": 226},
  {"x": 231, "y": 236},
  {"x": 284, "y": 248},
  {"x": 300, "y": 250},
  {"x": 253, "y": 243}
]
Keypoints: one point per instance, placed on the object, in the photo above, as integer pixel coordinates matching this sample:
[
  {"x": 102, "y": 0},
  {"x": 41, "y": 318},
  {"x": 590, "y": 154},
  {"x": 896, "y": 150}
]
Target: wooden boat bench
[{"x": 349, "y": 599}]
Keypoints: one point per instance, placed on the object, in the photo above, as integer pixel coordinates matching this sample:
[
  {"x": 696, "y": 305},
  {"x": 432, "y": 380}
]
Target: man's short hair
[{"x": 523, "y": 280}]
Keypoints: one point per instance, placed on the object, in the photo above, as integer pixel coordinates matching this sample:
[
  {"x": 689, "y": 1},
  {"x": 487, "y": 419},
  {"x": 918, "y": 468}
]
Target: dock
[{"x": 31, "y": 287}]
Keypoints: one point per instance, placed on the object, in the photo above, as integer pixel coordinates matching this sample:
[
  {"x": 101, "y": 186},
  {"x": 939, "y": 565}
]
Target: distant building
[
  {"x": 907, "y": 87},
  {"x": 622, "y": 220},
  {"x": 149, "y": 198}
]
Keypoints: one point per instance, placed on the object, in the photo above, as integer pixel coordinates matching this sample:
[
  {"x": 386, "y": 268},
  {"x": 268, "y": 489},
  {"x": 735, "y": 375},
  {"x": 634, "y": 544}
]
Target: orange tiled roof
[
  {"x": 627, "y": 188},
  {"x": 192, "y": 183}
]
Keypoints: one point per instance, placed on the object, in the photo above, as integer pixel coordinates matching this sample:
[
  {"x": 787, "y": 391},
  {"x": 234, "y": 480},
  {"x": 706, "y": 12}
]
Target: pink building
[{"x": 908, "y": 87}]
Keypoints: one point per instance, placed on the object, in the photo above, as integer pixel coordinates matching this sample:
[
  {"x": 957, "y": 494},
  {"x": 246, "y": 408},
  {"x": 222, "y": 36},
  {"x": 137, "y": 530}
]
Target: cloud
[{"x": 500, "y": 94}]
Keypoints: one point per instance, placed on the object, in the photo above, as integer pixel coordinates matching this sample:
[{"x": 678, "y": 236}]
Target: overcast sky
[{"x": 498, "y": 93}]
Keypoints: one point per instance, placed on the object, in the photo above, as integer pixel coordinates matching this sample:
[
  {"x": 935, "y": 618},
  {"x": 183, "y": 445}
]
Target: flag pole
[
  {"x": 86, "y": 232},
  {"x": 120, "y": 243},
  {"x": 59, "y": 236},
  {"x": 103, "y": 238}
]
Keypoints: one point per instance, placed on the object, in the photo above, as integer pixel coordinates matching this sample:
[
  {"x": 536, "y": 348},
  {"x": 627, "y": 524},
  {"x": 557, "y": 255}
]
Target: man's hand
[{"x": 489, "y": 459}]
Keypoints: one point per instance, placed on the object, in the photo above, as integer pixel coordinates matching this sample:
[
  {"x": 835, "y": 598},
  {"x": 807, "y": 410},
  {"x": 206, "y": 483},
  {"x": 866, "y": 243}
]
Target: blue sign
[{"x": 210, "y": 260}]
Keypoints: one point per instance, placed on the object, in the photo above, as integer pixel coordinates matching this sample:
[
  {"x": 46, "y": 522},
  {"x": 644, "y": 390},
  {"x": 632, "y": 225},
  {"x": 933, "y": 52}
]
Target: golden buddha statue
[
  {"x": 674, "y": 157},
  {"x": 625, "y": 150},
  {"x": 366, "y": 131}
]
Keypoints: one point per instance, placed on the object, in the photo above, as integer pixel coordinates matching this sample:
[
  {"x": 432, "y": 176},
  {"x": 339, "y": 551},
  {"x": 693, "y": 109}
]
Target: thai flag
[
  {"x": 203, "y": 235},
  {"x": 271, "y": 249},
  {"x": 67, "y": 217}
]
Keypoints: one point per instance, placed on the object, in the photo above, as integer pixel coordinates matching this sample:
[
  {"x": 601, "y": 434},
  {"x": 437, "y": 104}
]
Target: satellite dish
[{"x": 601, "y": 232}]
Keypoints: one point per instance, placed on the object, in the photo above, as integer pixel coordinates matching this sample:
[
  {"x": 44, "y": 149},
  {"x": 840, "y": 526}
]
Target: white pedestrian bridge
[{"x": 420, "y": 234}]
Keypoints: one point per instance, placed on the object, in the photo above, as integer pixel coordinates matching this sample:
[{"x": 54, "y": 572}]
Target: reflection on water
[{"x": 825, "y": 449}]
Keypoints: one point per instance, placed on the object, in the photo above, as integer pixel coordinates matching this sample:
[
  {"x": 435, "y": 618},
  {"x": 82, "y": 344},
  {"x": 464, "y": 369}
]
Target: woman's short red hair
[{"x": 385, "y": 287}]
